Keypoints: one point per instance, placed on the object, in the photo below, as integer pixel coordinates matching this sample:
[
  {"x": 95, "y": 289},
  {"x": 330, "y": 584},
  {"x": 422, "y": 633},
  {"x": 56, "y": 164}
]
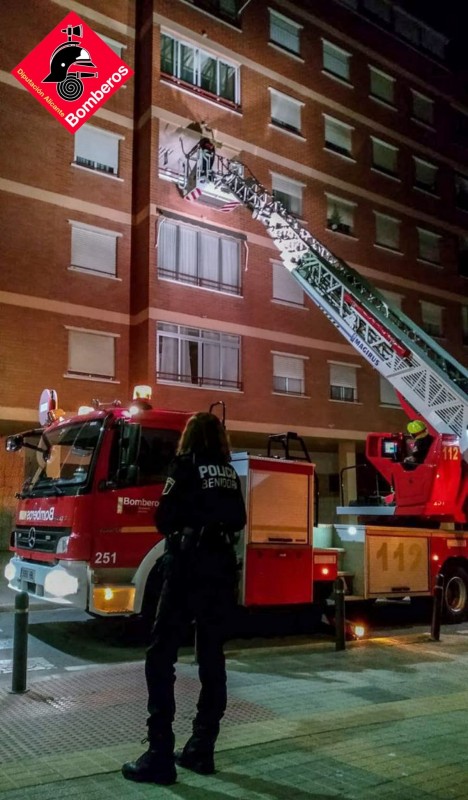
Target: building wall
[{"x": 41, "y": 190}]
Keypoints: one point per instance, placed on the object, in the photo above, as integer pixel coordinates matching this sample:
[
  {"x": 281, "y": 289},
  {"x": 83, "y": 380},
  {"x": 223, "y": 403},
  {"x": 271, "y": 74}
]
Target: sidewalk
[{"x": 384, "y": 719}]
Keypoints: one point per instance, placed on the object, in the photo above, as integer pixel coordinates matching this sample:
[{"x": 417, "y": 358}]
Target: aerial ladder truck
[{"x": 422, "y": 522}]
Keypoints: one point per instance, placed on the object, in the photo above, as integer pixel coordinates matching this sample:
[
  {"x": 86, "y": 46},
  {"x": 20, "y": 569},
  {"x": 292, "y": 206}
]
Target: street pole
[
  {"x": 437, "y": 607},
  {"x": 20, "y": 644},
  {"x": 339, "y": 592}
]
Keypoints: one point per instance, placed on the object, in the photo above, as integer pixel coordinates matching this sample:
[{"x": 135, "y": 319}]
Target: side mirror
[{"x": 14, "y": 443}]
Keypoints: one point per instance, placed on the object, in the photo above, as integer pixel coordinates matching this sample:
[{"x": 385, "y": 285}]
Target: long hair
[{"x": 204, "y": 435}]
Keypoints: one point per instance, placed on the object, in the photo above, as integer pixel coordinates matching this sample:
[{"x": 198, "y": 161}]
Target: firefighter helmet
[
  {"x": 416, "y": 427},
  {"x": 62, "y": 59}
]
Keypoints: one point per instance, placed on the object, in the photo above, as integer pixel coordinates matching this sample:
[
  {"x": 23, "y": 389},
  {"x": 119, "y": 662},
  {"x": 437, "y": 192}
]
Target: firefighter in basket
[{"x": 420, "y": 443}]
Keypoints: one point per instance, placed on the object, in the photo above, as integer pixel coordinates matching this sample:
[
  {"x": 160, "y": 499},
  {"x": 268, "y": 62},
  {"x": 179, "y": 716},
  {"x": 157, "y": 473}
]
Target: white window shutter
[
  {"x": 97, "y": 146},
  {"x": 91, "y": 354},
  {"x": 285, "y": 287},
  {"x": 342, "y": 375},
  {"x": 288, "y": 367},
  {"x": 94, "y": 251},
  {"x": 388, "y": 395},
  {"x": 338, "y": 134},
  {"x": 285, "y": 110}
]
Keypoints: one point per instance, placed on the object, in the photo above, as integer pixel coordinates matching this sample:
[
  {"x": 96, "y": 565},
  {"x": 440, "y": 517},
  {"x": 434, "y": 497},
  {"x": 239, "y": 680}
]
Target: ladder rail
[{"x": 432, "y": 381}]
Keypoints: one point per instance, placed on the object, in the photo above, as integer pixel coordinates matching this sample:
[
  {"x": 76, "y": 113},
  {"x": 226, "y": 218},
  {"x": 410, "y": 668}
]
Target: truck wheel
[{"x": 455, "y": 605}]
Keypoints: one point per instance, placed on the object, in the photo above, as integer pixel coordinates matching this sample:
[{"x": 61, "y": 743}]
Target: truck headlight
[
  {"x": 59, "y": 583},
  {"x": 9, "y": 571}
]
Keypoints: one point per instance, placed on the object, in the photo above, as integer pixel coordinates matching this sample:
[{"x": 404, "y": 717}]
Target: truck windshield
[{"x": 65, "y": 461}]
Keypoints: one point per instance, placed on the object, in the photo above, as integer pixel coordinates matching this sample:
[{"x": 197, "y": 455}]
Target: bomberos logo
[
  {"x": 72, "y": 72},
  {"x": 37, "y": 514},
  {"x": 139, "y": 503}
]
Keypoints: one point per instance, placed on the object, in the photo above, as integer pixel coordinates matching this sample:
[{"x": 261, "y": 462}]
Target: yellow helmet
[{"x": 416, "y": 426}]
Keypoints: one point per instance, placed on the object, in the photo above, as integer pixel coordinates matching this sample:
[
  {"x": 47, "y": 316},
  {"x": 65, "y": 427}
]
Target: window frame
[
  {"x": 374, "y": 71},
  {"x": 331, "y": 146},
  {"x": 422, "y": 119},
  {"x": 196, "y": 338},
  {"x": 430, "y": 236},
  {"x": 292, "y": 358},
  {"x": 76, "y": 225},
  {"x": 287, "y": 22},
  {"x": 280, "y": 276},
  {"x": 336, "y": 54},
  {"x": 346, "y": 391},
  {"x": 110, "y": 376},
  {"x": 342, "y": 206},
  {"x": 286, "y": 197},
  {"x": 282, "y": 124},
  {"x": 198, "y": 279},
  {"x": 382, "y": 169},
  {"x": 430, "y": 188},
  {"x": 435, "y": 329},
  {"x": 175, "y": 76},
  {"x": 93, "y": 165},
  {"x": 380, "y": 217}
]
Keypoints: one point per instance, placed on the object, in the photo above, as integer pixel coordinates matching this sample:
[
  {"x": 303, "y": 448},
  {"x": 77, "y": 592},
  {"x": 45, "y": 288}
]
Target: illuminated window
[
  {"x": 196, "y": 357},
  {"x": 93, "y": 249},
  {"x": 195, "y": 67},
  {"x": 97, "y": 149}
]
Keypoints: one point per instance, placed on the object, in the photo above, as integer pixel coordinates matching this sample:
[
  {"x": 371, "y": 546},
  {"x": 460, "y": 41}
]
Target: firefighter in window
[{"x": 418, "y": 445}]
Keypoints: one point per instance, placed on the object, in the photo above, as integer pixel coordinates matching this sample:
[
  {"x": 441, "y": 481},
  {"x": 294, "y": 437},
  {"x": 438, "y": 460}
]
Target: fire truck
[{"x": 84, "y": 531}]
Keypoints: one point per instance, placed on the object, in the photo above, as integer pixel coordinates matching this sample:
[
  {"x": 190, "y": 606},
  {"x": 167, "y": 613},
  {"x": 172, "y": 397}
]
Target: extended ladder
[{"x": 429, "y": 379}]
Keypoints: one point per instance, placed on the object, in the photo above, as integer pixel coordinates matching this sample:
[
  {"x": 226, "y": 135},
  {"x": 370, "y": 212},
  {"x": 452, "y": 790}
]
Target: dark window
[
  {"x": 157, "y": 449},
  {"x": 345, "y": 393}
]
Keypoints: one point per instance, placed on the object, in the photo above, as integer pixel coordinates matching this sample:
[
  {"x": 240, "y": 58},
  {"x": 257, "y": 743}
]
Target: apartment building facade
[{"x": 345, "y": 109}]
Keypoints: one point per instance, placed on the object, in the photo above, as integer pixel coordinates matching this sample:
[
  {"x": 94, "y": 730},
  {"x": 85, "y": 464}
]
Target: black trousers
[{"x": 197, "y": 586}]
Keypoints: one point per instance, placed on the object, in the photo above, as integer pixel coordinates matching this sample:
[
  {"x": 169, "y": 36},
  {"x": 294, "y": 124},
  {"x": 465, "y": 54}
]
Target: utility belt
[{"x": 213, "y": 538}]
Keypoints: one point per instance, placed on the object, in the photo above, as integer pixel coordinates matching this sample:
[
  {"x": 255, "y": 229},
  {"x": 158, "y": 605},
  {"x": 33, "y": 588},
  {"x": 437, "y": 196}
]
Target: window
[
  {"x": 340, "y": 215},
  {"x": 335, "y": 60},
  {"x": 464, "y": 316},
  {"x": 382, "y": 86},
  {"x": 461, "y": 192},
  {"x": 429, "y": 246},
  {"x": 97, "y": 149},
  {"x": 288, "y": 192},
  {"x": 285, "y": 33},
  {"x": 117, "y": 47},
  {"x": 425, "y": 175},
  {"x": 463, "y": 256},
  {"x": 432, "y": 318},
  {"x": 384, "y": 157},
  {"x": 338, "y": 136},
  {"x": 387, "y": 231},
  {"x": 288, "y": 374},
  {"x": 378, "y": 8},
  {"x": 225, "y": 9},
  {"x": 199, "y": 257},
  {"x": 198, "y": 357},
  {"x": 93, "y": 249},
  {"x": 423, "y": 108},
  {"x": 204, "y": 71},
  {"x": 388, "y": 395},
  {"x": 285, "y": 287},
  {"x": 343, "y": 383},
  {"x": 393, "y": 298},
  {"x": 91, "y": 354},
  {"x": 285, "y": 111}
]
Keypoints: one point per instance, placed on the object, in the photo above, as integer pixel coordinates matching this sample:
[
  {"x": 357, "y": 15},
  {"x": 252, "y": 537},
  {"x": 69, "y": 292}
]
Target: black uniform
[
  {"x": 419, "y": 449},
  {"x": 200, "y": 511}
]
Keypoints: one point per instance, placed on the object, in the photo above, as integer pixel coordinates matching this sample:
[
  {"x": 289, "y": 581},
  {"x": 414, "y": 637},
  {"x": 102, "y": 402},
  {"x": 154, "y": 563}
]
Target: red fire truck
[{"x": 84, "y": 530}]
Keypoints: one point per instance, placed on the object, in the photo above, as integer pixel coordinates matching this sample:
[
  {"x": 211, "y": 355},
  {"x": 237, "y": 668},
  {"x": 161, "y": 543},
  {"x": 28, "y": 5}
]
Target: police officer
[{"x": 200, "y": 511}]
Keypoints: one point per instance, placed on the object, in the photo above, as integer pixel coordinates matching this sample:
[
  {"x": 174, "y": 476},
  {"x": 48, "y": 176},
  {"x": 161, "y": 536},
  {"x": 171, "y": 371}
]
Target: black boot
[
  {"x": 155, "y": 766},
  {"x": 198, "y": 753}
]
